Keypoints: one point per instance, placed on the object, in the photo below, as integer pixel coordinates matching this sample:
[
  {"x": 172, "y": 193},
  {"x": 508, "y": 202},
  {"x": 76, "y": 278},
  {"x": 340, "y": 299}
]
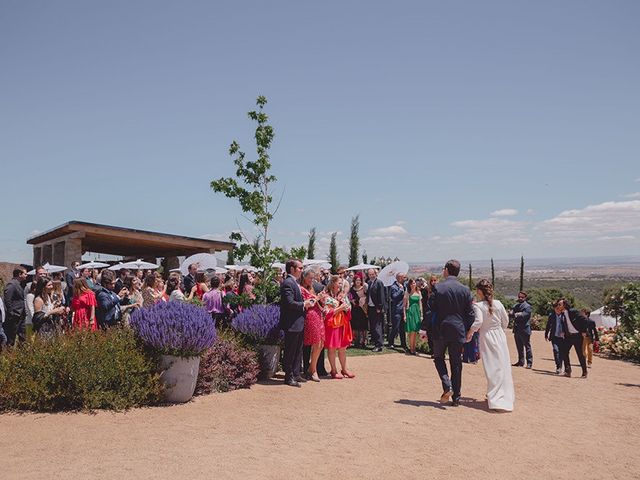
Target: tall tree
[
  {"x": 252, "y": 186},
  {"x": 311, "y": 248},
  {"x": 299, "y": 252},
  {"x": 493, "y": 275},
  {"x": 470, "y": 278},
  {"x": 354, "y": 241},
  {"x": 521, "y": 273},
  {"x": 333, "y": 254}
]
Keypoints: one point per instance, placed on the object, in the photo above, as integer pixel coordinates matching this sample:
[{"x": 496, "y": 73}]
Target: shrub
[
  {"x": 538, "y": 322},
  {"x": 79, "y": 370},
  {"x": 174, "y": 328},
  {"x": 621, "y": 344},
  {"x": 624, "y": 303},
  {"x": 260, "y": 324},
  {"x": 228, "y": 365}
]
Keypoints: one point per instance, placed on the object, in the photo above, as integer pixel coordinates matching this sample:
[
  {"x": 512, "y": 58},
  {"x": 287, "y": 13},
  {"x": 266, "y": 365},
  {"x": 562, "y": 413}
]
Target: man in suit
[
  {"x": 575, "y": 329},
  {"x": 292, "y": 308},
  {"x": 396, "y": 311},
  {"x": 189, "y": 280},
  {"x": 376, "y": 301},
  {"x": 592, "y": 336},
  {"x": 14, "y": 305},
  {"x": 521, "y": 314},
  {"x": 69, "y": 277},
  {"x": 452, "y": 304},
  {"x": 122, "y": 274},
  {"x": 554, "y": 333}
]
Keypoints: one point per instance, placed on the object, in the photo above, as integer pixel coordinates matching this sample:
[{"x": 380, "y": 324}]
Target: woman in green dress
[{"x": 412, "y": 313}]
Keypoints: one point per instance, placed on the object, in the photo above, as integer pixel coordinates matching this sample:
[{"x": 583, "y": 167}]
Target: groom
[{"x": 452, "y": 307}]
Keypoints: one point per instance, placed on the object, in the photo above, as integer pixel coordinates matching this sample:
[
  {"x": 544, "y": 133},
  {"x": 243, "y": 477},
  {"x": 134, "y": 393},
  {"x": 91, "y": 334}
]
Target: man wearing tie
[
  {"x": 376, "y": 301},
  {"x": 575, "y": 328},
  {"x": 292, "y": 307},
  {"x": 554, "y": 332},
  {"x": 452, "y": 304}
]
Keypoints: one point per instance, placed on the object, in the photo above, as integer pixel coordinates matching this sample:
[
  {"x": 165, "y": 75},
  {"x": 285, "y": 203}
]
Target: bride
[{"x": 491, "y": 321}]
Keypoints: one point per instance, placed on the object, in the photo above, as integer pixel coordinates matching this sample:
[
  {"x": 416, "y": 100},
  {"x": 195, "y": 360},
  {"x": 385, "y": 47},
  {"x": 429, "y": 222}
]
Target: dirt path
[{"x": 384, "y": 424}]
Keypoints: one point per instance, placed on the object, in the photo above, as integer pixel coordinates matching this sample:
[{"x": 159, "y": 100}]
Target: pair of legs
[
  {"x": 523, "y": 346},
  {"x": 574, "y": 341},
  {"x": 292, "y": 358},
  {"x": 360, "y": 338},
  {"x": 14, "y": 327},
  {"x": 375, "y": 326},
  {"x": 413, "y": 338},
  {"x": 396, "y": 328},
  {"x": 342, "y": 357},
  {"x": 558, "y": 355},
  {"x": 454, "y": 348},
  {"x": 587, "y": 349},
  {"x": 316, "y": 350}
]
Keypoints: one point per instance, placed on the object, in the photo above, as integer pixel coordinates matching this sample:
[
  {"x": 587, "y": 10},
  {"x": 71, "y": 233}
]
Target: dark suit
[
  {"x": 579, "y": 323},
  {"x": 292, "y": 322},
  {"x": 557, "y": 342},
  {"x": 376, "y": 295},
  {"x": 14, "y": 305},
  {"x": 452, "y": 305},
  {"x": 188, "y": 282},
  {"x": 522, "y": 331},
  {"x": 396, "y": 311}
]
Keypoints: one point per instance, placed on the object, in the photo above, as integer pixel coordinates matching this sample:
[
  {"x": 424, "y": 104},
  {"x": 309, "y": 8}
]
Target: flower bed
[{"x": 621, "y": 344}]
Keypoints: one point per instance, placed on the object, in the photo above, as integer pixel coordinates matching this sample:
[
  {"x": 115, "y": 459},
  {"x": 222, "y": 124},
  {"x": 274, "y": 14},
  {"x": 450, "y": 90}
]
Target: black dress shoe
[
  {"x": 529, "y": 366},
  {"x": 301, "y": 379},
  {"x": 292, "y": 383},
  {"x": 455, "y": 403},
  {"x": 517, "y": 364},
  {"x": 377, "y": 349}
]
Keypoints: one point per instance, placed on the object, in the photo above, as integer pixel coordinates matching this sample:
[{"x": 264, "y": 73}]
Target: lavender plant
[
  {"x": 260, "y": 324},
  {"x": 175, "y": 328}
]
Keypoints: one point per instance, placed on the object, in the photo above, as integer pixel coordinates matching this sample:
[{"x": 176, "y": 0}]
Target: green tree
[
  {"x": 471, "y": 278},
  {"x": 521, "y": 273},
  {"x": 311, "y": 247},
  {"x": 542, "y": 299},
  {"x": 493, "y": 275},
  {"x": 299, "y": 252},
  {"x": 333, "y": 254},
  {"x": 624, "y": 304},
  {"x": 354, "y": 241},
  {"x": 252, "y": 186}
]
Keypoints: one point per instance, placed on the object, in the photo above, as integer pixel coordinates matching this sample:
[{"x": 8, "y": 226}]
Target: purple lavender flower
[
  {"x": 260, "y": 323},
  {"x": 175, "y": 328}
]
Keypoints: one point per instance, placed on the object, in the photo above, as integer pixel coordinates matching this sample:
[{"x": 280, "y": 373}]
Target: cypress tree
[
  {"x": 311, "y": 248},
  {"x": 493, "y": 275},
  {"x": 354, "y": 241},
  {"x": 333, "y": 254},
  {"x": 521, "y": 273}
]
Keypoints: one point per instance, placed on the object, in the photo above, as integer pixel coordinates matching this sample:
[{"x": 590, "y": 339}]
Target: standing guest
[
  {"x": 412, "y": 313},
  {"x": 189, "y": 280},
  {"x": 491, "y": 320},
  {"x": 292, "y": 307},
  {"x": 213, "y": 301},
  {"x": 452, "y": 304},
  {"x": 575, "y": 329},
  {"x": 150, "y": 293},
  {"x": 134, "y": 285},
  {"x": 554, "y": 332},
  {"x": 375, "y": 303},
  {"x": 590, "y": 338},
  {"x": 96, "y": 278},
  {"x": 40, "y": 273},
  {"x": 69, "y": 278},
  {"x": 108, "y": 309},
  {"x": 359, "y": 322},
  {"x": 313, "y": 323},
  {"x": 14, "y": 304},
  {"x": 245, "y": 286},
  {"x": 46, "y": 314},
  {"x": 173, "y": 290},
  {"x": 140, "y": 275},
  {"x": 122, "y": 274},
  {"x": 521, "y": 314},
  {"x": 200, "y": 287},
  {"x": 396, "y": 311},
  {"x": 338, "y": 334},
  {"x": 86, "y": 274},
  {"x": 83, "y": 306},
  {"x": 427, "y": 314},
  {"x": 161, "y": 288}
]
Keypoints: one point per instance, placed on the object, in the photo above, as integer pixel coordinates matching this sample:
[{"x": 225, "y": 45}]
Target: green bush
[
  {"x": 624, "y": 303},
  {"x": 79, "y": 370}
]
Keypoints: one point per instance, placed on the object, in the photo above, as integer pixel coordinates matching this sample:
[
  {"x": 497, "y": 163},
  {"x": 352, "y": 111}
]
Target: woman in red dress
[
  {"x": 338, "y": 333},
  {"x": 313, "y": 323},
  {"x": 83, "y": 306}
]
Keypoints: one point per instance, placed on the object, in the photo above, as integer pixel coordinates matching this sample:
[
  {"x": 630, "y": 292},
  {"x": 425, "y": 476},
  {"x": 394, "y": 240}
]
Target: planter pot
[
  {"x": 269, "y": 358},
  {"x": 179, "y": 377}
]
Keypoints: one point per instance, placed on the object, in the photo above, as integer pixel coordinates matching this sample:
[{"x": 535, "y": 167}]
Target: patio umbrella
[
  {"x": 388, "y": 273},
  {"x": 217, "y": 270},
  {"x": 205, "y": 261},
  {"x": 93, "y": 265},
  {"x": 49, "y": 268},
  {"x": 116, "y": 267},
  {"x": 139, "y": 265},
  {"x": 363, "y": 266},
  {"x": 234, "y": 267}
]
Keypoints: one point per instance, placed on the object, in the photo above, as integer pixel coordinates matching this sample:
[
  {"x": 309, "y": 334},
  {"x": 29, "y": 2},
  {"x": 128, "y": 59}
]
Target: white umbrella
[
  {"x": 363, "y": 266},
  {"x": 116, "y": 267},
  {"x": 234, "y": 267},
  {"x": 49, "y": 268},
  {"x": 217, "y": 270},
  {"x": 313, "y": 261},
  {"x": 205, "y": 261},
  {"x": 279, "y": 265},
  {"x": 93, "y": 265},
  {"x": 139, "y": 265},
  {"x": 388, "y": 273}
]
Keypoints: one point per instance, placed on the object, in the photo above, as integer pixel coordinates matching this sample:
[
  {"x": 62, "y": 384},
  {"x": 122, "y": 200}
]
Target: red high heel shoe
[
  {"x": 348, "y": 374},
  {"x": 336, "y": 376}
]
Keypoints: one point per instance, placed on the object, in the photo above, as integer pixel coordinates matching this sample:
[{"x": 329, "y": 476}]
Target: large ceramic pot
[
  {"x": 179, "y": 377},
  {"x": 269, "y": 358}
]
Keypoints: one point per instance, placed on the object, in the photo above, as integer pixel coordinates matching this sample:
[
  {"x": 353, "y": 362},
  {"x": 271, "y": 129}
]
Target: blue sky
[{"x": 455, "y": 129}]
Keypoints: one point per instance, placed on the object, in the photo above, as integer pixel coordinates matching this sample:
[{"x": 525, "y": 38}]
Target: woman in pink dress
[
  {"x": 338, "y": 334},
  {"x": 313, "y": 323},
  {"x": 83, "y": 306}
]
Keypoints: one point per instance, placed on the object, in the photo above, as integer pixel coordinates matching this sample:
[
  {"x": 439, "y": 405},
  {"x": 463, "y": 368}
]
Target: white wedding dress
[{"x": 494, "y": 354}]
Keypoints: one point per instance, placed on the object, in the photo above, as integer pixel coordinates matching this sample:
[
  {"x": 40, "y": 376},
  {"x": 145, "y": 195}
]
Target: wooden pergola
[{"x": 67, "y": 243}]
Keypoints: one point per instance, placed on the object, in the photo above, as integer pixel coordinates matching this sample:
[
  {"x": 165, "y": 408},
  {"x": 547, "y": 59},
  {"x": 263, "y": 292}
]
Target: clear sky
[{"x": 455, "y": 129}]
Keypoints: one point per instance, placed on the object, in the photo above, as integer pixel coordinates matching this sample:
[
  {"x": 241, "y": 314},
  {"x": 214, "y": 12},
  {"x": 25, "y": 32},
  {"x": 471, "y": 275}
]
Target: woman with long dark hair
[
  {"x": 491, "y": 322},
  {"x": 359, "y": 321},
  {"x": 46, "y": 316}
]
